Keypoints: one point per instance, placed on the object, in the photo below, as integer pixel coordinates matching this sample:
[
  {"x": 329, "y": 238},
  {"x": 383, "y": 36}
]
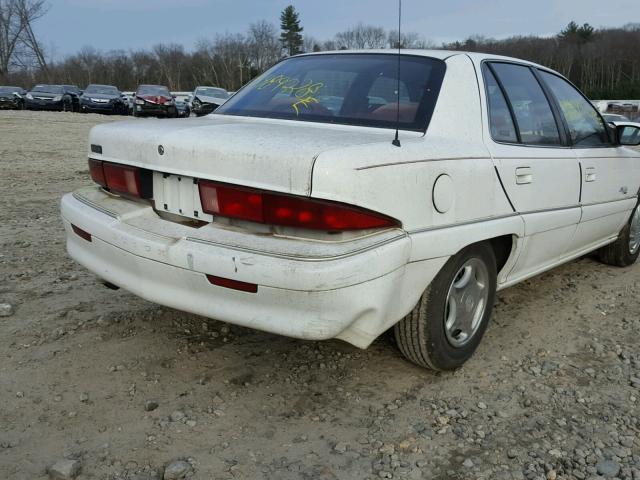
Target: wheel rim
[
  {"x": 466, "y": 302},
  {"x": 634, "y": 232}
]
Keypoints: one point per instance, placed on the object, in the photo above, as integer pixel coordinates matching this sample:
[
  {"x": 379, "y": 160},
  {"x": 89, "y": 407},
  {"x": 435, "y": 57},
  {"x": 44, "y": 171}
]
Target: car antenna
[{"x": 396, "y": 140}]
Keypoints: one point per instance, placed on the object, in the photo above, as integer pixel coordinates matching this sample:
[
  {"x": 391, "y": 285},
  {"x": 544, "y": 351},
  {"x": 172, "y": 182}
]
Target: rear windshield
[
  {"x": 152, "y": 90},
  {"x": 101, "y": 90},
  {"x": 47, "y": 88},
  {"x": 350, "y": 89}
]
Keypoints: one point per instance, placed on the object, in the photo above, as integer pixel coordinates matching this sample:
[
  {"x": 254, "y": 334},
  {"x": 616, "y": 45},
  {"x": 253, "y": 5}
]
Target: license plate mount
[{"x": 179, "y": 195}]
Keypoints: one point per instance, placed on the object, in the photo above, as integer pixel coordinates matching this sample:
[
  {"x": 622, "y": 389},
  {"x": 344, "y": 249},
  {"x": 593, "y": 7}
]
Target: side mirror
[{"x": 629, "y": 135}]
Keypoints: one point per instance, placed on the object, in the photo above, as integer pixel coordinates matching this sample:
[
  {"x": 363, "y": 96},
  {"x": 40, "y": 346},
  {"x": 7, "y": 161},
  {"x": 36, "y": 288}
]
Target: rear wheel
[
  {"x": 626, "y": 249},
  {"x": 446, "y": 326}
]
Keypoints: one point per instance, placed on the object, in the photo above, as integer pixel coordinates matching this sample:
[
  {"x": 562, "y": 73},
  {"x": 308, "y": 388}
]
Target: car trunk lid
[{"x": 262, "y": 153}]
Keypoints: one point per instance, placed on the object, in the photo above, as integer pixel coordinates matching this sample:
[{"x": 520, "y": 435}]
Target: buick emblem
[{"x": 160, "y": 149}]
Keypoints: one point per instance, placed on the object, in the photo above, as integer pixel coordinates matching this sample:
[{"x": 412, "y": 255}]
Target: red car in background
[{"x": 154, "y": 100}]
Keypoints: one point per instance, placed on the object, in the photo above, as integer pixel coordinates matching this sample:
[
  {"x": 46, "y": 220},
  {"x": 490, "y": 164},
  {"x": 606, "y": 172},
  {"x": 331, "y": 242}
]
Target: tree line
[{"x": 603, "y": 62}]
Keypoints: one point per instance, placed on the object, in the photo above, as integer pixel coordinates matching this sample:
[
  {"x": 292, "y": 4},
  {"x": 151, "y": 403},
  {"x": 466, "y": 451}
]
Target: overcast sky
[{"x": 132, "y": 24}]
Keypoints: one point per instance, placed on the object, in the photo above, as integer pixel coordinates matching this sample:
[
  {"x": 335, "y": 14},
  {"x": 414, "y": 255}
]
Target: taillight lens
[
  {"x": 286, "y": 210},
  {"x": 123, "y": 179},
  {"x": 97, "y": 172}
]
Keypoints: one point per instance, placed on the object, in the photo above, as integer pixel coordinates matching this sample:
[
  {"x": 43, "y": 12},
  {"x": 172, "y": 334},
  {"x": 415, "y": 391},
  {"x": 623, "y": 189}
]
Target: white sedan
[{"x": 328, "y": 199}]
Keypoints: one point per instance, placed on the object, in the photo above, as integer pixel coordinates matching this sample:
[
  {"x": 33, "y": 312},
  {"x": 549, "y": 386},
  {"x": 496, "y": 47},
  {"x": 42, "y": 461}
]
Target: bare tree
[
  {"x": 408, "y": 40},
  {"x": 361, "y": 37},
  {"x": 171, "y": 61},
  {"x": 29, "y": 11},
  {"x": 264, "y": 45},
  {"x": 19, "y": 46}
]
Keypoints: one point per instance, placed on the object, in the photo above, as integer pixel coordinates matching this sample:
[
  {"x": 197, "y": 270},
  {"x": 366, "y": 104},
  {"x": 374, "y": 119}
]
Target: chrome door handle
[
  {"x": 524, "y": 175},
  {"x": 590, "y": 174}
]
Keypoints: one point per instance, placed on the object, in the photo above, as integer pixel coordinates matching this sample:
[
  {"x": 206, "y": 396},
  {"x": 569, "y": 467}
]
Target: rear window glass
[{"x": 351, "y": 89}]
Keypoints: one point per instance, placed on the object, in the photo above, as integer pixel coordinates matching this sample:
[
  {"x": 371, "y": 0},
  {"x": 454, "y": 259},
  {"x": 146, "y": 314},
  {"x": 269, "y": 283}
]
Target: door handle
[
  {"x": 590, "y": 174},
  {"x": 524, "y": 175}
]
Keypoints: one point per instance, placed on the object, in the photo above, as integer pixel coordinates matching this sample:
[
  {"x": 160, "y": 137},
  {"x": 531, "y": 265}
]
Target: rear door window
[
  {"x": 533, "y": 115},
  {"x": 586, "y": 128},
  {"x": 500, "y": 120}
]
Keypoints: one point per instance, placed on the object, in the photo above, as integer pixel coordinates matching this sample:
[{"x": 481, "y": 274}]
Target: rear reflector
[
  {"x": 123, "y": 179},
  {"x": 81, "y": 233},
  {"x": 286, "y": 210},
  {"x": 233, "y": 284}
]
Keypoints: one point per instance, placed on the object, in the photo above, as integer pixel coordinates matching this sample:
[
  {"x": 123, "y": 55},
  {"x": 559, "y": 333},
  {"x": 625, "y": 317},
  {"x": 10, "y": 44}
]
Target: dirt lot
[{"x": 553, "y": 392}]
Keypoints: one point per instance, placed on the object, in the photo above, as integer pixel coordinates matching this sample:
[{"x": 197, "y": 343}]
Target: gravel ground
[{"x": 113, "y": 387}]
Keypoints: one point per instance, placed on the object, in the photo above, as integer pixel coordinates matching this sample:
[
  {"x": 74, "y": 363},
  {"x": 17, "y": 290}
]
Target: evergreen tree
[
  {"x": 290, "y": 37},
  {"x": 577, "y": 34}
]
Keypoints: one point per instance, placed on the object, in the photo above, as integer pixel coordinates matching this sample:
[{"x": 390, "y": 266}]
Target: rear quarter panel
[{"x": 399, "y": 181}]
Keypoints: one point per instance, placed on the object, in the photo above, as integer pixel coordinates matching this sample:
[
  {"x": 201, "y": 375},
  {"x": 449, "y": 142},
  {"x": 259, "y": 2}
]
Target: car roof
[{"x": 438, "y": 54}]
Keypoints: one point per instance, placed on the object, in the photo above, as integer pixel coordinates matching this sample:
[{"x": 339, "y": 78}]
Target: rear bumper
[{"x": 354, "y": 295}]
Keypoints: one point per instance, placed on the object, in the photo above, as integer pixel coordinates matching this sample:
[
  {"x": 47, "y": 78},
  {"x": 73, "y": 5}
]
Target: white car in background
[
  {"x": 283, "y": 214},
  {"x": 205, "y": 100}
]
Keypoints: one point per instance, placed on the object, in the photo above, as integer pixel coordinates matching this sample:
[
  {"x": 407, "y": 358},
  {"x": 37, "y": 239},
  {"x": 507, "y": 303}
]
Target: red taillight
[
  {"x": 81, "y": 233},
  {"x": 286, "y": 210},
  {"x": 121, "y": 179},
  {"x": 233, "y": 284},
  {"x": 96, "y": 171}
]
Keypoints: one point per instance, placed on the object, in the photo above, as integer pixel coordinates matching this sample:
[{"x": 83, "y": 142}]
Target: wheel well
[{"x": 502, "y": 247}]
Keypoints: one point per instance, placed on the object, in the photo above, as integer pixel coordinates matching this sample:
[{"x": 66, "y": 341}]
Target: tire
[
  {"x": 423, "y": 337},
  {"x": 66, "y": 107},
  {"x": 626, "y": 249}
]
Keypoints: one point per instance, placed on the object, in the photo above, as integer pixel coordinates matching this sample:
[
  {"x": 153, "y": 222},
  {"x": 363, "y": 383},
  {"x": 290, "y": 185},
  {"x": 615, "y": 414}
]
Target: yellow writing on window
[{"x": 303, "y": 92}]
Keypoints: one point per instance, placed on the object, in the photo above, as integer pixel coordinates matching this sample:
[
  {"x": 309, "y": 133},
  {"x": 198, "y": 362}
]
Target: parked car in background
[
  {"x": 50, "y": 97},
  {"x": 102, "y": 99},
  {"x": 280, "y": 213},
  {"x": 205, "y": 100},
  {"x": 154, "y": 100},
  {"x": 127, "y": 100},
  {"x": 183, "y": 108},
  {"x": 75, "y": 93},
  {"x": 12, "y": 98}
]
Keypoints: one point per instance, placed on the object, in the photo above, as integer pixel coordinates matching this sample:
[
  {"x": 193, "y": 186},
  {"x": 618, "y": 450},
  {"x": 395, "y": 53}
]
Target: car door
[
  {"x": 539, "y": 173},
  {"x": 609, "y": 171}
]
